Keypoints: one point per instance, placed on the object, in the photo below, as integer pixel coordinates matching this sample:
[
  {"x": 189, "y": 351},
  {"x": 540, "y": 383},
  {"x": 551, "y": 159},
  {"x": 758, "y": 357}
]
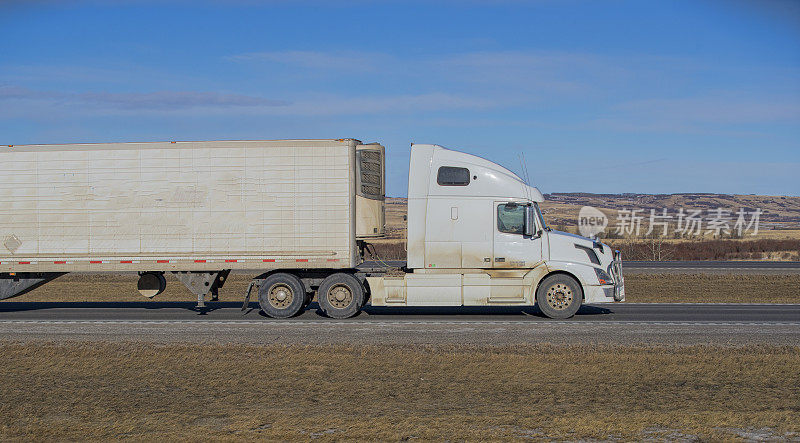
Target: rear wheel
[
  {"x": 559, "y": 296},
  {"x": 281, "y": 295},
  {"x": 341, "y": 296}
]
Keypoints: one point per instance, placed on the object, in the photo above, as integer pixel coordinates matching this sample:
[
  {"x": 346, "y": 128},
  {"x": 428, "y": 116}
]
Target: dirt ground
[
  {"x": 707, "y": 288},
  {"x": 76, "y": 391},
  {"x": 639, "y": 288}
]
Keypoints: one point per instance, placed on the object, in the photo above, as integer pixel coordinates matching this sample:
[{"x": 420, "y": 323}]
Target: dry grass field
[
  {"x": 705, "y": 288},
  {"x": 639, "y": 288},
  {"x": 79, "y": 391},
  {"x": 780, "y": 217},
  {"x": 779, "y": 221},
  {"x": 778, "y": 238},
  {"x": 764, "y": 249}
]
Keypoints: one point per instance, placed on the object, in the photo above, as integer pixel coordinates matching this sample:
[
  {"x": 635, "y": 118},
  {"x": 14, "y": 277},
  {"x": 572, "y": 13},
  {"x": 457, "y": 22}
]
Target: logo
[{"x": 591, "y": 221}]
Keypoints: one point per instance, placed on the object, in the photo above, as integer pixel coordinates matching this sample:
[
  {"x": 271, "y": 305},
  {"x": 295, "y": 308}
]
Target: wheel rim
[
  {"x": 559, "y": 296},
  {"x": 340, "y": 296},
  {"x": 280, "y": 296}
]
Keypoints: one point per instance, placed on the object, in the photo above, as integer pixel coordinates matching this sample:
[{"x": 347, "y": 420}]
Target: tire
[
  {"x": 340, "y": 296},
  {"x": 559, "y": 296},
  {"x": 281, "y": 295}
]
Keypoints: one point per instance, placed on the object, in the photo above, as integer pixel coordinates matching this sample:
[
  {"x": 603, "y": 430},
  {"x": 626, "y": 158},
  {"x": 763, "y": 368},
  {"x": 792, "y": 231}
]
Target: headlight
[{"x": 603, "y": 276}]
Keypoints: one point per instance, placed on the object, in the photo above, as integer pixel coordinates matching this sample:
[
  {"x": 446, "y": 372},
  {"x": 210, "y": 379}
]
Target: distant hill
[
  {"x": 778, "y": 211},
  {"x": 561, "y": 209}
]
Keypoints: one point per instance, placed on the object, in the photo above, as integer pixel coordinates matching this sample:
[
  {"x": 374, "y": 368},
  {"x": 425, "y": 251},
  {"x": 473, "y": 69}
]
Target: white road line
[
  {"x": 735, "y": 305},
  {"x": 713, "y": 270},
  {"x": 395, "y": 323}
]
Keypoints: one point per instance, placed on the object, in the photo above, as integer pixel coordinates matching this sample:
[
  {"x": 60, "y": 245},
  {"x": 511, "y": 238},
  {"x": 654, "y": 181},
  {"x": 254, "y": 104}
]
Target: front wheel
[
  {"x": 559, "y": 296},
  {"x": 341, "y": 296}
]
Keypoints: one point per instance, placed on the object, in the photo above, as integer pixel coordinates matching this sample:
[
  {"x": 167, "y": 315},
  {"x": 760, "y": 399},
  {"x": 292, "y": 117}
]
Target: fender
[
  {"x": 586, "y": 276},
  {"x": 582, "y": 273}
]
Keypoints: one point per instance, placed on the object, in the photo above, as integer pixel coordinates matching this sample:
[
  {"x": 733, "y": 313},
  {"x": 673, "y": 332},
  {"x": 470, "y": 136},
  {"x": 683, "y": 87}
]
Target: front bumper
[{"x": 615, "y": 269}]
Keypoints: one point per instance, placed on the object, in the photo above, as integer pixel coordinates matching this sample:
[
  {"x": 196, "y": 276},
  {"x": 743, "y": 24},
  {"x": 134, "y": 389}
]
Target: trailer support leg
[{"x": 202, "y": 283}]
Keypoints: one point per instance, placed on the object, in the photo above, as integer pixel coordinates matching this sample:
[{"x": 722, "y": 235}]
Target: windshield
[{"x": 539, "y": 216}]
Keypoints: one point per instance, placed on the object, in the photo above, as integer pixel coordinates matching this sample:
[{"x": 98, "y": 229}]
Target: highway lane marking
[
  {"x": 644, "y": 268},
  {"x": 718, "y": 304},
  {"x": 397, "y": 322}
]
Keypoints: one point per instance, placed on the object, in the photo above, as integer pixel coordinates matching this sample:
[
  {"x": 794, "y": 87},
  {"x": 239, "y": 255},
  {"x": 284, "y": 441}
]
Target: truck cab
[{"x": 477, "y": 237}]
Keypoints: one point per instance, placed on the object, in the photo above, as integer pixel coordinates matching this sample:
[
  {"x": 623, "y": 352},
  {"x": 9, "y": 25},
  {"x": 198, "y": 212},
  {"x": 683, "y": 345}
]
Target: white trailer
[
  {"x": 197, "y": 209},
  {"x": 300, "y": 213}
]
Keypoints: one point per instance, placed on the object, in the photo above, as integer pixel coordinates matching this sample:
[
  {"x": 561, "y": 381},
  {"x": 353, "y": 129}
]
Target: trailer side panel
[{"x": 178, "y": 206}]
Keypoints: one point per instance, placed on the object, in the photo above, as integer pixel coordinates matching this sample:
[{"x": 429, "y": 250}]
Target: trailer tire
[
  {"x": 281, "y": 295},
  {"x": 559, "y": 296},
  {"x": 340, "y": 296}
]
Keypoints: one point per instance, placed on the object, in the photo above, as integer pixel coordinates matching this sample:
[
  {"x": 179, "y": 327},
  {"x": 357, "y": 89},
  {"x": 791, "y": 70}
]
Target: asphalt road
[
  {"x": 231, "y": 311},
  {"x": 223, "y": 322},
  {"x": 696, "y": 266}
]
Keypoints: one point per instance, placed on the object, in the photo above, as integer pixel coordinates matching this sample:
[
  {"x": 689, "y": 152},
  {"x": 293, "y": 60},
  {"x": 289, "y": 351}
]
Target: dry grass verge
[
  {"x": 122, "y": 288},
  {"x": 712, "y": 288},
  {"x": 660, "y": 249},
  {"x": 186, "y": 392},
  {"x": 641, "y": 288}
]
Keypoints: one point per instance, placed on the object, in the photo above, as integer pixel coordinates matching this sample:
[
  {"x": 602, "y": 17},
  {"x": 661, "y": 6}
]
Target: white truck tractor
[{"x": 300, "y": 214}]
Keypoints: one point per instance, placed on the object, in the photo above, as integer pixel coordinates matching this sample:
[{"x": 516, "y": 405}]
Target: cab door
[
  {"x": 512, "y": 248},
  {"x": 514, "y": 252}
]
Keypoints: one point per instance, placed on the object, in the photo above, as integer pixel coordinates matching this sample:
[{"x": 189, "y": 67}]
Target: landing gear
[{"x": 203, "y": 283}]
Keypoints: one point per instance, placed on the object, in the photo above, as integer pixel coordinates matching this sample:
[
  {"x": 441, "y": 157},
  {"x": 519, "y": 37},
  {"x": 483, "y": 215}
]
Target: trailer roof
[{"x": 177, "y": 144}]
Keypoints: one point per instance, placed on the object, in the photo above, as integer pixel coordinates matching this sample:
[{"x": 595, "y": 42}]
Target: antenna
[
  {"x": 525, "y": 177},
  {"x": 525, "y": 165}
]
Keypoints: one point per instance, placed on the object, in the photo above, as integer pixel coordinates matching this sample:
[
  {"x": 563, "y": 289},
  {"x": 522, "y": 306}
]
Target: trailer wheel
[
  {"x": 281, "y": 295},
  {"x": 340, "y": 296},
  {"x": 559, "y": 296}
]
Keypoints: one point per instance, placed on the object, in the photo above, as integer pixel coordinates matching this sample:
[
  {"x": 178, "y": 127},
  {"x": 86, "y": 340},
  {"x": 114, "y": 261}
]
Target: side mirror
[{"x": 529, "y": 223}]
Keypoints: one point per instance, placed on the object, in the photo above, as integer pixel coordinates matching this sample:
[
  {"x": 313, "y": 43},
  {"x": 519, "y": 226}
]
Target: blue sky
[{"x": 618, "y": 96}]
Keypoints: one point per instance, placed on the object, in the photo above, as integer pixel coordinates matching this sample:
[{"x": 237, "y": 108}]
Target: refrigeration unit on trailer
[{"x": 300, "y": 214}]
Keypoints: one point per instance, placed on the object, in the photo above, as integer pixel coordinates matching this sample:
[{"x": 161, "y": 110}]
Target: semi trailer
[{"x": 300, "y": 214}]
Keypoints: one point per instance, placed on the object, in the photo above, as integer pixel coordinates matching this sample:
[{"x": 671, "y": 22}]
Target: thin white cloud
[
  {"x": 20, "y": 102},
  {"x": 623, "y": 94},
  {"x": 718, "y": 109},
  {"x": 720, "y": 114},
  {"x": 343, "y": 60},
  {"x": 158, "y": 100}
]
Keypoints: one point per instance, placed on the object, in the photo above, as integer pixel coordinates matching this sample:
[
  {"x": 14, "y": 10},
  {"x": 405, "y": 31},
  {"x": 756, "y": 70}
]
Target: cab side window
[
  {"x": 511, "y": 218},
  {"x": 452, "y": 176}
]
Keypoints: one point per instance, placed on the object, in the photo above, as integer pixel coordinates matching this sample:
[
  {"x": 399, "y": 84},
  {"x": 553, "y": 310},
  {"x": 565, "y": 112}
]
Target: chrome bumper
[{"x": 619, "y": 281}]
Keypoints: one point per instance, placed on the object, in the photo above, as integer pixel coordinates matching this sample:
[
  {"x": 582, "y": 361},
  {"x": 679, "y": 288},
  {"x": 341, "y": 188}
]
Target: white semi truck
[{"x": 300, "y": 213}]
